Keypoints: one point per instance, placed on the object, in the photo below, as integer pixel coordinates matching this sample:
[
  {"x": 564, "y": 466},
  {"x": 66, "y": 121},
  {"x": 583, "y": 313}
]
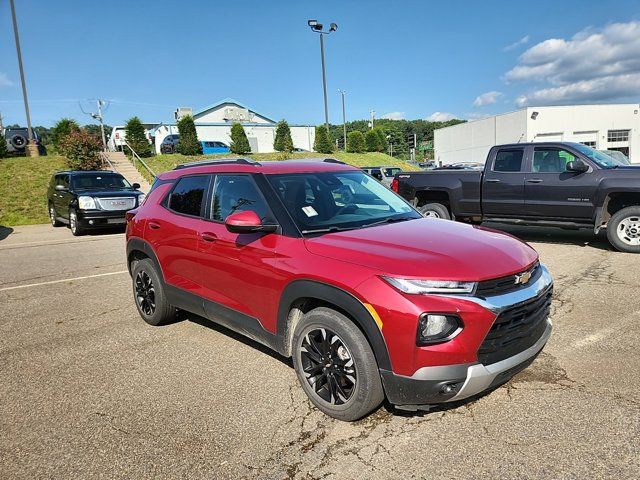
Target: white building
[
  {"x": 213, "y": 123},
  {"x": 117, "y": 135},
  {"x": 604, "y": 127}
]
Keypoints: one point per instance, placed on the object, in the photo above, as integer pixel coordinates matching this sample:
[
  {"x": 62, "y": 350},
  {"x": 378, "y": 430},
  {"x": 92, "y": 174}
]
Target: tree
[
  {"x": 82, "y": 150},
  {"x": 372, "y": 141},
  {"x": 95, "y": 130},
  {"x": 239, "y": 141},
  {"x": 62, "y": 128},
  {"x": 382, "y": 139},
  {"x": 283, "y": 141},
  {"x": 188, "y": 143},
  {"x": 136, "y": 137},
  {"x": 355, "y": 142},
  {"x": 3, "y": 147},
  {"x": 322, "y": 143}
]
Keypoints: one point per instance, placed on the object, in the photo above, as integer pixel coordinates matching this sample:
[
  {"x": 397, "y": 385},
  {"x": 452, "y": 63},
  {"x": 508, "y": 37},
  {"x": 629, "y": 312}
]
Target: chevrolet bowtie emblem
[{"x": 522, "y": 278}]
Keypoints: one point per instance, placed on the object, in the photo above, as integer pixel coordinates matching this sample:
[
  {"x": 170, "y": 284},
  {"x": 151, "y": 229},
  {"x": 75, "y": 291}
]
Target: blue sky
[{"x": 409, "y": 59}]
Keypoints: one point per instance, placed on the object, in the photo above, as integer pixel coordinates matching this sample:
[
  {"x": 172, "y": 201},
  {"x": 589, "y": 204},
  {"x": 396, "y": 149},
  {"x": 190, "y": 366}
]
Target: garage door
[{"x": 588, "y": 138}]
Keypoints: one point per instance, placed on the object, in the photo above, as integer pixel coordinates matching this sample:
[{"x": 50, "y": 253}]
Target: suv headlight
[
  {"x": 437, "y": 328},
  {"x": 141, "y": 199},
  {"x": 86, "y": 203},
  {"x": 417, "y": 287}
]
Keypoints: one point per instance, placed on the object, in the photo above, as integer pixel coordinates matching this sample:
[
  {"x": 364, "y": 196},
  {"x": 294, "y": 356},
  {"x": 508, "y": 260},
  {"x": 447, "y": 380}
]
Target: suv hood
[{"x": 428, "y": 248}]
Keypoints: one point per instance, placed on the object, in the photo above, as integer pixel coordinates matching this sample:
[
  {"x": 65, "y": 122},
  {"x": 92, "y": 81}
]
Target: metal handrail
[
  {"x": 105, "y": 158},
  {"x": 137, "y": 157}
]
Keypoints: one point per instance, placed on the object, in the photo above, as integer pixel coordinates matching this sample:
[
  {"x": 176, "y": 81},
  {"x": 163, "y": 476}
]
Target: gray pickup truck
[{"x": 560, "y": 184}]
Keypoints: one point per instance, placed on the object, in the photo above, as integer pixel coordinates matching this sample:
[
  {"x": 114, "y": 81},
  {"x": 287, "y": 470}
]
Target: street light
[
  {"x": 344, "y": 117},
  {"x": 318, "y": 28}
]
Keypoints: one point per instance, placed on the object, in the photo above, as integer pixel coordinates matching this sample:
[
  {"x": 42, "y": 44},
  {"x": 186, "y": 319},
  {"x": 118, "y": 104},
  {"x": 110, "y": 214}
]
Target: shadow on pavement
[
  {"x": 582, "y": 238},
  {"x": 5, "y": 232}
]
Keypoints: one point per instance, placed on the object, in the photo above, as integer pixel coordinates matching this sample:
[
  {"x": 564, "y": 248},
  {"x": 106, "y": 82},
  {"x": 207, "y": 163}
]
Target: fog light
[
  {"x": 437, "y": 328},
  {"x": 90, "y": 222}
]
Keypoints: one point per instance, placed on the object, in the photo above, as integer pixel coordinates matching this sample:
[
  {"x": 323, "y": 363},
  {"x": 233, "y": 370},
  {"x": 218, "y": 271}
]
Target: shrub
[
  {"x": 382, "y": 139},
  {"x": 3, "y": 147},
  {"x": 283, "y": 141},
  {"x": 136, "y": 137},
  {"x": 62, "y": 128},
  {"x": 372, "y": 141},
  {"x": 188, "y": 143},
  {"x": 82, "y": 150},
  {"x": 322, "y": 143},
  {"x": 239, "y": 141},
  {"x": 355, "y": 142}
]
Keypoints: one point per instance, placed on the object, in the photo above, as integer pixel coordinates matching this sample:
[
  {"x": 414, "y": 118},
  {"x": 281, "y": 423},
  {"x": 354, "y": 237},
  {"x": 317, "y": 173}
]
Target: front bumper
[
  {"x": 439, "y": 384},
  {"x": 101, "y": 219}
]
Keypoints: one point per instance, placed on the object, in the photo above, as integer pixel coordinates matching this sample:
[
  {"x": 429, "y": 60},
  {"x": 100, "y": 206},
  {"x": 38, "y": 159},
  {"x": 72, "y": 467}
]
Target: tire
[
  {"x": 623, "y": 230},
  {"x": 434, "y": 210},
  {"x": 149, "y": 295},
  {"x": 76, "y": 229},
  {"x": 53, "y": 216},
  {"x": 340, "y": 361}
]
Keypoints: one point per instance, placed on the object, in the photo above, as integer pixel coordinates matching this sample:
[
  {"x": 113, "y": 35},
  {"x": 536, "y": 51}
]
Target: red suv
[{"x": 322, "y": 263}]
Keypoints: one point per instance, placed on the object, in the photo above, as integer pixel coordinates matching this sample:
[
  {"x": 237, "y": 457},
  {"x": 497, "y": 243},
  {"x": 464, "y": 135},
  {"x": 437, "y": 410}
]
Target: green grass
[
  {"x": 23, "y": 188},
  {"x": 162, "y": 163}
]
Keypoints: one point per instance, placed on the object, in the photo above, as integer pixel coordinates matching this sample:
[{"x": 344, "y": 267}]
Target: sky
[{"x": 403, "y": 59}]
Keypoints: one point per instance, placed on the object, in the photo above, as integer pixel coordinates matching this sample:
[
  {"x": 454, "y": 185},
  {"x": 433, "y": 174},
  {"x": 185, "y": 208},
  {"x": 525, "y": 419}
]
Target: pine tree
[
  {"x": 239, "y": 141},
  {"x": 136, "y": 137},
  {"x": 382, "y": 140},
  {"x": 283, "y": 141},
  {"x": 188, "y": 143},
  {"x": 355, "y": 142},
  {"x": 372, "y": 141},
  {"x": 322, "y": 143},
  {"x": 62, "y": 128},
  {"x": 3, "y": 147}
]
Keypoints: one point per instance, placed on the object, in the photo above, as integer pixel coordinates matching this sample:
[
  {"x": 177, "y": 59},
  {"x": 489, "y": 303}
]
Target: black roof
[{"x": 74, "y": 172}]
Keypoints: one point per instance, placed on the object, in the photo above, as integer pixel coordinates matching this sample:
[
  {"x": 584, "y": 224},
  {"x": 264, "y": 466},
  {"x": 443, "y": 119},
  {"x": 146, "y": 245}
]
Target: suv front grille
[
  {"x": 502, "y": 285},
  {"x": 516, "y": 329},
  {"x": 116, "y": 203}
]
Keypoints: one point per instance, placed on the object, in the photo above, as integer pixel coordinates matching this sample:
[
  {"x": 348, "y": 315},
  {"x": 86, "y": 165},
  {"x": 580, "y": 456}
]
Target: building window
[
  {"x": 589, "y": 144},
  {"x": 618, "y": 136}
]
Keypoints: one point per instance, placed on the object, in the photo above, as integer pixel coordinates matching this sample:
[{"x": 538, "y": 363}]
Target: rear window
[
  {"x": 508, "y": 160},
  {"x": 186, "y": 197}
]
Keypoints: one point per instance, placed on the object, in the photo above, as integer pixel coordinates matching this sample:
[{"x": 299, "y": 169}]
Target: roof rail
[
  {"x": 333, "y": 160},
  {"x": 222, "y": 161}
]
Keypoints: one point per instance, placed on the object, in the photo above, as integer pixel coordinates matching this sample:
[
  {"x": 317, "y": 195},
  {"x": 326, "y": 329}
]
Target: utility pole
[
  {"x": 318, "y": 28},
  {"x": 98, "y": 116},
  {"x": 373, "y": 118},
  {"x": 344, "y": 118},
  {"x": 32, "y": 149},
  {"x": 1, "y": 129}
]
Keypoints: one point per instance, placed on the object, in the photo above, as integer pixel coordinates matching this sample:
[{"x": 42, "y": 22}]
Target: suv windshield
[
  {"x": 601, "y": 159},
  {"x": 326, "y": 201},
  {"x": 98, "y": 181}
]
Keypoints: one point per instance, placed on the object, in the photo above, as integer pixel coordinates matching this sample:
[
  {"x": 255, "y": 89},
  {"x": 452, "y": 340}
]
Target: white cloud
[
  {"x": 595, "y": 65},
  {"x": 486, "y": 98},
  {"x": 524, "y": 40},
  {"x": 393, "y": 116},
  {"x": 476, "y": 116},
  {"x": 4, "y": 80},
  {"x": 440, "y": 117}
]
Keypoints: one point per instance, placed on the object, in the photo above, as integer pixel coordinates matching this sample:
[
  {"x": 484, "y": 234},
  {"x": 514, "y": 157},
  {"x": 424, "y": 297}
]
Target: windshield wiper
[
  {"x": 326, "y": 230},
  {"x": 388, "y": 220}
]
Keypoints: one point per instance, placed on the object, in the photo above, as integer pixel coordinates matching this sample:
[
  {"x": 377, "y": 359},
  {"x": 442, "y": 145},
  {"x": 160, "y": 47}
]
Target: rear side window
[
  {"x": 508, "y": 161},
  {"x": 186, "y": 197}
]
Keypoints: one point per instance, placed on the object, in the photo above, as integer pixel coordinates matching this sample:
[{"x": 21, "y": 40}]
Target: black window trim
[
  {"x": 510, "y": 149},
  {"x": 167, "y": 197}
]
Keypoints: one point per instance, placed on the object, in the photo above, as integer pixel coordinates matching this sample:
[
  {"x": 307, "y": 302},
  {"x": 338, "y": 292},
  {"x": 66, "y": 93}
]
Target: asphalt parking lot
[{"x": 88, "y": 390}]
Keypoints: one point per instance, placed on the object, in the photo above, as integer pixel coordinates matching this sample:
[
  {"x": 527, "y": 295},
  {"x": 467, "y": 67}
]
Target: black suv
[
  {"x": 91, "y": 199},
  {"x": 169, "y": 144}
]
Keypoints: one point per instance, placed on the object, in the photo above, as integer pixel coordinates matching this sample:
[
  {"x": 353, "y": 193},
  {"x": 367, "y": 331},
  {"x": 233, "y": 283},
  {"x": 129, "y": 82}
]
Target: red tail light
[
  {"x": 394, "y": 185},
  {"x": 130, "y": 214}
]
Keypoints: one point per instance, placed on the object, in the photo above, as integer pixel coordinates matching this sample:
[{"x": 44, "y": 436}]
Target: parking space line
[
  {"x": 63, "y": 280},
  {"x": 62, "y": 241}
]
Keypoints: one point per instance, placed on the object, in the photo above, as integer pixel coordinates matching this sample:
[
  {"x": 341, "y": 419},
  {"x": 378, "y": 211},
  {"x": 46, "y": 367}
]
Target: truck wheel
[
  {"x": 54, "y": 217},
  {"x": 434, "y": 210},
  {"x": 335, "y": 365},
  {"x": 148, "y": 292},
  {"x": 76, "y": 229},
  {"x": 623, "y": 230}
]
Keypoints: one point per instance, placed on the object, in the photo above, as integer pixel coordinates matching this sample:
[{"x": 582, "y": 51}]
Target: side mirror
[
  {"x": 135, "y": 186},
  {"x": 577, "y": 166},
  {"x": 61, "y": 188},
  {"x": 247, "y": 222}
]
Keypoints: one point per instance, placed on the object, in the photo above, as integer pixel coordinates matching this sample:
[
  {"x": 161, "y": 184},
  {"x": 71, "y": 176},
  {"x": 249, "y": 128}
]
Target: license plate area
[{"x": 117, "y": 221}]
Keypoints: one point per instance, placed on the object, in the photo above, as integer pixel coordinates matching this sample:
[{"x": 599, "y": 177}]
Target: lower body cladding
[
  {"x": 432, "y": 385},
  {"x": 101, "y": 219}
]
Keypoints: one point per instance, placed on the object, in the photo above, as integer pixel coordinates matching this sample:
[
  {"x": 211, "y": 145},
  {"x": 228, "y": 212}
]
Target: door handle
[
  {"x": 534, "y": 180},
  {"x": 154, "y": 225},
  {"x": 208, "y": 236},
  {"x": 492, "y": 180}
]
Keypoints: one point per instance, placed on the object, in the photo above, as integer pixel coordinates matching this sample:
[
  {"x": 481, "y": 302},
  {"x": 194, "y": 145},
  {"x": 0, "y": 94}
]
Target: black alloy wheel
[
  {"x": 145, "y": 293},
  {"x": 328, "y": 366}
]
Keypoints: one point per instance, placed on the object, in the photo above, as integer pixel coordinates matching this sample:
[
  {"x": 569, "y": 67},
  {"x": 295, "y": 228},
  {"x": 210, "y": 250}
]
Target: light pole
[
  {"x": 318, "y": 28},
  {"x": 30, "y": 146},
  {"x": 344, "y": 118}
]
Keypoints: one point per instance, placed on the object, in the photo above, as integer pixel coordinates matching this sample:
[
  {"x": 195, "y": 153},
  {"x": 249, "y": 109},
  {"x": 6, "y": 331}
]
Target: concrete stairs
[{"x": 123, "y": 165}]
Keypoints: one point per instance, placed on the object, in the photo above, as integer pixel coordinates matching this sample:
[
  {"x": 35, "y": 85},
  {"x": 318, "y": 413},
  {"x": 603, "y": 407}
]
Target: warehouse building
[
  {"x": 213, "y": 123},
  {"x": 604, "y": 127}
]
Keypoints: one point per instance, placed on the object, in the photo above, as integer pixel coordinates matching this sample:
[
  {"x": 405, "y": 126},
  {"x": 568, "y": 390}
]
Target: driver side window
[
  {"x": 551, "y": 160},
  {"x": 236, "y": 193}
]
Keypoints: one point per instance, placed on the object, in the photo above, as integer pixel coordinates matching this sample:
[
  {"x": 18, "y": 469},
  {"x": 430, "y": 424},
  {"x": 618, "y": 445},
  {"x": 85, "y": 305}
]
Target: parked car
[
  {"x": 209, "y": 147},
  {"x": 169, "y": 144},
  {"x": 427, "y": 165},
  {"x": 323, "y": 264},
  {"x": 621, "y": 157},
  {"x": 383, "y": 174},
  {"x": 84, "y": 200},
  {"x": 561, "y": 184},
  {"x": 461, "y": 166},
  {"x": 18, "y": 138}
]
